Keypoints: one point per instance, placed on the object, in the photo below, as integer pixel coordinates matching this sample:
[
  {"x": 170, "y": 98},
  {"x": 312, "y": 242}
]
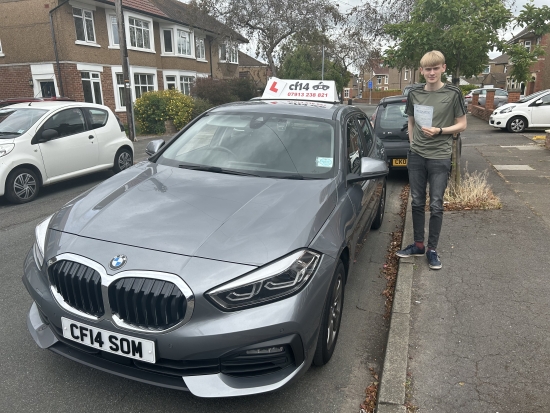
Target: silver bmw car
[{"x": 217, "y": 266}]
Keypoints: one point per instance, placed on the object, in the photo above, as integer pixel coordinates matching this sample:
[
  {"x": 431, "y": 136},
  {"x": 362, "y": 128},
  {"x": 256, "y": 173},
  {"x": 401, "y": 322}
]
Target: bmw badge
[{"x": 118, "y": 262}]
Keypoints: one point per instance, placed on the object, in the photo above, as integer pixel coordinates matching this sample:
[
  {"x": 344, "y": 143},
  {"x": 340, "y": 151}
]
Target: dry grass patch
[{"x": 473, "y": 193}]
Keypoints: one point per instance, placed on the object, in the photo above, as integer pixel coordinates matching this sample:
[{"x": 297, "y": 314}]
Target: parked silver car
[
  {"x": 501, "y": 97},
  {"x": 218, "y": 266}
]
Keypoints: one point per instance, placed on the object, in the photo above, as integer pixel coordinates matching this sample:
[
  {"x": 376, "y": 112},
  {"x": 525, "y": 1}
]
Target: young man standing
[{"x": 436, "y": 112}]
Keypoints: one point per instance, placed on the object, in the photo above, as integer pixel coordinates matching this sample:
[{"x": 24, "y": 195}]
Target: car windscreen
[
  {"x": 532, "y": 96},
  {"x": 16, "y": 121},
  {"x": 273, "y": 145},
  {"x": 392, "y": 117}
]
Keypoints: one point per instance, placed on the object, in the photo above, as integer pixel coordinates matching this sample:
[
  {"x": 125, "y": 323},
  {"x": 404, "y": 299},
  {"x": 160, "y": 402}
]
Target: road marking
[
  {"x": 526, "y": 147},
  {"x": 513, "y": 167}
]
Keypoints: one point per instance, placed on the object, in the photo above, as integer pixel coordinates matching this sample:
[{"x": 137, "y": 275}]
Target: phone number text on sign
[{"x": 307, "y": 95}]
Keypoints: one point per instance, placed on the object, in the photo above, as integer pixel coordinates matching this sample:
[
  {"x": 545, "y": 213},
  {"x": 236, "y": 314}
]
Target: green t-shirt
[{"x": 442, "y": 106}]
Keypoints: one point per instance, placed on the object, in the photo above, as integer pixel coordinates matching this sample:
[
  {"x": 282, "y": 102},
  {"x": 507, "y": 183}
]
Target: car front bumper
[
  {"x": 498, "y": 120},
  {"x": 205, "y": 341}
]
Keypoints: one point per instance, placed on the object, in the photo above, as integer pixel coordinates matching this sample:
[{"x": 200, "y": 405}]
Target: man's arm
[
  {"x": 459, "y": 126},
  {"x": 410, "y": 127}
]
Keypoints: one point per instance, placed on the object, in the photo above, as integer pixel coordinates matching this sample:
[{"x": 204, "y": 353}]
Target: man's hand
[{"x": 430, "y": 132}]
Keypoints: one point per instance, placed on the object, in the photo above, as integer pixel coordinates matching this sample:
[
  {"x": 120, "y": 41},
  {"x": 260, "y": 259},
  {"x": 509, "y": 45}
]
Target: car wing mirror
[
  {"x": 154, "y": 146},
  {"x": 538, "y": 102},
  {"x": 48, "y": 135},
  {"x": 370, "y": 168}
]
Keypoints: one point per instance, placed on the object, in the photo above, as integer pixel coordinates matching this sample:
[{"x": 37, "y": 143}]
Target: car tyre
[
  {"x": 377, "y": 223},
  {"x": 22, "y": 186},
  {"x": 331, "y": 318},
  {"x": 516, "y": 124},
  {"x": 123, "y": 160}
]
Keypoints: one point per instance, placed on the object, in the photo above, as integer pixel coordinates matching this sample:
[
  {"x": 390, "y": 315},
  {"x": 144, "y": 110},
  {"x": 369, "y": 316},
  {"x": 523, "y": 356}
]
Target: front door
[
  {"x": 74, "y": 150},
  {"x": 540, "y": 114}
]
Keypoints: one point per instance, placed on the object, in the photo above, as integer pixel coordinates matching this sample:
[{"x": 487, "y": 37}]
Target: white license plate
[{"x": 121, "y": 344}]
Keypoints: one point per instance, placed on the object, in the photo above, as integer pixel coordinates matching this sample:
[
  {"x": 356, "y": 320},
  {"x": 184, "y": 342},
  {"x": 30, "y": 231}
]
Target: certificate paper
[{"x": 423, "y": 115}]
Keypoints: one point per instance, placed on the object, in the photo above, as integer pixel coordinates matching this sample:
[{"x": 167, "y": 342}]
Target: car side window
[
  {"x": 367, "y": 134},
  {"x": 501, "y": 93},
  {"x": 546, "y": 100},
  {"x": 354, "y": 146},
  {"x": 67, "y": 122},
  {"x": 97, "y": 117}
]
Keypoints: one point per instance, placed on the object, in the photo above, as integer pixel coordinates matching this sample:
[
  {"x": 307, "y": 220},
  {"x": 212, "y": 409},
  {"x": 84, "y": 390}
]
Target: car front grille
[
  {"x": 147, "y": 303},
  {"x": 79, "y": 285}
]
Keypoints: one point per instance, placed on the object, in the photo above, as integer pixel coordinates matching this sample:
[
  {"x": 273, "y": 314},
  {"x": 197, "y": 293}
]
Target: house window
[
  {"x": 167, "y": 36},
  {"x": 84, "y": 24},
  {"x": 229, "y": 53},
  {"x": 113, "y": 26},
  {"x": 505, "y": 69},
  {"x": 487, "y": 69},
  {"x": 527, "y": 45},
  {"x": 199, "y": 49},
  {"x": 143, "y": 83},
  {"x": 386, "y": 81},
  {"x": 120, "y": 88},
  {"x": 379, "y": 80},
  {"x": 346, "y": 93},
  {"x": 407, "y": 74},
  {"x": 185, "y": 84},
  {"x": 171, "y": 83},
  {"x": 140, "y": 36},
  {"x": 92, "y": 87},
  {"x": 184, "y": 43}
]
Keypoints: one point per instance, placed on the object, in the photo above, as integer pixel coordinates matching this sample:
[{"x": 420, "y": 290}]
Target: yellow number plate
[{"x": 399, "y": 162}]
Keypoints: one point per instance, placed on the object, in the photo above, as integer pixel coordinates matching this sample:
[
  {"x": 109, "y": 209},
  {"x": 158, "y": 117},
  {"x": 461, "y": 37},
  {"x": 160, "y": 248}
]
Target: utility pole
[
  {"x": 125, "y": 70},
  {"x": 323, "y": 64}
]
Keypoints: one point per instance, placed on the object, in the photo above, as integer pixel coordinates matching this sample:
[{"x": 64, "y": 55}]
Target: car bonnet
[{"x": 241, "y": 219}]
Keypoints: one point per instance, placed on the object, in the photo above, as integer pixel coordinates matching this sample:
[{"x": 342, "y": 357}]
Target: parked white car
[
  {"x": 42, "y": 143},
  {"x": 533, "y": 111}
]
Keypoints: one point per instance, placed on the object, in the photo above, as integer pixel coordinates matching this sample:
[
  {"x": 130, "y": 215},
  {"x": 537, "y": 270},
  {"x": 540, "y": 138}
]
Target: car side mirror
[
  {"x": 154, "y": 146},
  {"x": 370, "y": 168},
  {"x": 538, "y": 102},
  {"x": 48, "y": 135}
]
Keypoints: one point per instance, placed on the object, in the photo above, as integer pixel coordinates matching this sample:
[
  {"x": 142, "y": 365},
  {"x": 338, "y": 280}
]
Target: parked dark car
[
  {"x": 390, "y": 125},
  {"x": 407, "y": 88}
]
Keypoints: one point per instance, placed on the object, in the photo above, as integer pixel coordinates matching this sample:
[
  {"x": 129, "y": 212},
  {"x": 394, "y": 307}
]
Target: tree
[
  {"x": 301, "y": 61},
  {"x": 465, "y": 31},
  {"x": 272, "y": 22}
]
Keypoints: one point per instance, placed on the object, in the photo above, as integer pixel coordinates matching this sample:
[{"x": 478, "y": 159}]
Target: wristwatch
[{"x": 440, "y": 131}]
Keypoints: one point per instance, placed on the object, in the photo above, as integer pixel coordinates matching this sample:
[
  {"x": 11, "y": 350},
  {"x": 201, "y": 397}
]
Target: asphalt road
[{"x": 35, "y": 380}]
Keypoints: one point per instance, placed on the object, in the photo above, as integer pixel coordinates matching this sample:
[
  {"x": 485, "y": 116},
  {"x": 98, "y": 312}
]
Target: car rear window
[
  {"x": 98, "y": 117},
  {"x": 392, "y": 116}
]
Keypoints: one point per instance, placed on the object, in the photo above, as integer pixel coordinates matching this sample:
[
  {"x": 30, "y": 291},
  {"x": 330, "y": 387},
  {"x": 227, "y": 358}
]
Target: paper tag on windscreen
[
  {"x": 324, "y": 162},
  {"x": 423, "y": 115}
]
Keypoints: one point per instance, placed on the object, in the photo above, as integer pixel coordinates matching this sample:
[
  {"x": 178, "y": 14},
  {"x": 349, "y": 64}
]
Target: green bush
[
  {"x": 200, "y": 106},
  {"x": 153, "y": 108}
]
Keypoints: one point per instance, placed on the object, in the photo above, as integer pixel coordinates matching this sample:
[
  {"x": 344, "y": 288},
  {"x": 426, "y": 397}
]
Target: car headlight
[
  {"x": 6, "y": 148},
  {"x": 275, "y": 281},
  {"x": 40, "y": 232},
  {"x": 508, "y": 109}
]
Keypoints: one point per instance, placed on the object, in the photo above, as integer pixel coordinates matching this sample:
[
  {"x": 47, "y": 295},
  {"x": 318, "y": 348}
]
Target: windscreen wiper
[
  {"x": 10, "y": 133},
  {"x": 215, "y": 169}
]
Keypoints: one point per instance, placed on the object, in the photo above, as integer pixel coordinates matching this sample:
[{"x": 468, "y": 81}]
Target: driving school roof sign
[{"x": 316, "y": 90}]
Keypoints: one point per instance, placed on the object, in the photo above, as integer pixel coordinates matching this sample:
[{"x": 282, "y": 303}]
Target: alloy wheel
[
  {"x": 517, "y": 125},
  {"x": 124, "y": 161},
  {"x": 24, "y": 186},
  {"x": 335, "y": 312}
]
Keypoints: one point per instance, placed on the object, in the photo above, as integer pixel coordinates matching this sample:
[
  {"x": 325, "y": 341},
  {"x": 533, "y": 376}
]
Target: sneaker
[
  {"x": 410, "y": 251},
  {"x": 433, "y": 260}
]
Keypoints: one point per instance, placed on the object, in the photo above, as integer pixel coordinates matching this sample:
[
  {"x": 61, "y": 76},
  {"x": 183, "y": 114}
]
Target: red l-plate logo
[{"x": 273, "y": 88}]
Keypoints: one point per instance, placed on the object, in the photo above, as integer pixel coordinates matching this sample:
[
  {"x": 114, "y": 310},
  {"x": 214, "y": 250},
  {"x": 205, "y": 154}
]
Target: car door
[
  {"x": 540, "y": 113},
  {"x": 358, "y": 192},
  {"x": 73, "y": 150}
]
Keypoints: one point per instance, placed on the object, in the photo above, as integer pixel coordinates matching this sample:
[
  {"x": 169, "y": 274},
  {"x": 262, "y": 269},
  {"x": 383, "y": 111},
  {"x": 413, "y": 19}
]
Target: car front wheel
[
  {"x": 22, "y": 186},
  {"x": 331, "y": 317},
  {"x": 123, "y": 160},
  {"x": 516, "y": 124}
]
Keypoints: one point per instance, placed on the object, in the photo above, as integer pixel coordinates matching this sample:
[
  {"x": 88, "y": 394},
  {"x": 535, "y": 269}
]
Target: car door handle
[{"x": 91, "y": 137}]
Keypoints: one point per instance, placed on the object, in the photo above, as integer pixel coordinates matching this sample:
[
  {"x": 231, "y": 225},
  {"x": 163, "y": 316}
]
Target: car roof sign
[{"x": 304, "y": 90}]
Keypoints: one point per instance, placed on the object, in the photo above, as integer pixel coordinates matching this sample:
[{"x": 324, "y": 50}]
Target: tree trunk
[{"x": 271, "y": 63}]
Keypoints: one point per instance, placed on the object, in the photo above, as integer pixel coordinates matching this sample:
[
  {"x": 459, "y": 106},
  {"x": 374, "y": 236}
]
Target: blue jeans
[{"x": 424, "y": 171}]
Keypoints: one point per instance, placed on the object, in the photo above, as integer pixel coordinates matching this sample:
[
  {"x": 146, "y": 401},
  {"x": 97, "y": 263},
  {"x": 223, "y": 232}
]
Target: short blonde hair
[{"x": 433, "y": 58}]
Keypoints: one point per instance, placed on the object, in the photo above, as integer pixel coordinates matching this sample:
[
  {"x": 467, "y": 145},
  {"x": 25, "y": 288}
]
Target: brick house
[
  {"x": 383, "y": 78},
  {"x": 71, "y": 48},
  {"x": 540, "y": 70},
  {"x": 254, "y": 69}
]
